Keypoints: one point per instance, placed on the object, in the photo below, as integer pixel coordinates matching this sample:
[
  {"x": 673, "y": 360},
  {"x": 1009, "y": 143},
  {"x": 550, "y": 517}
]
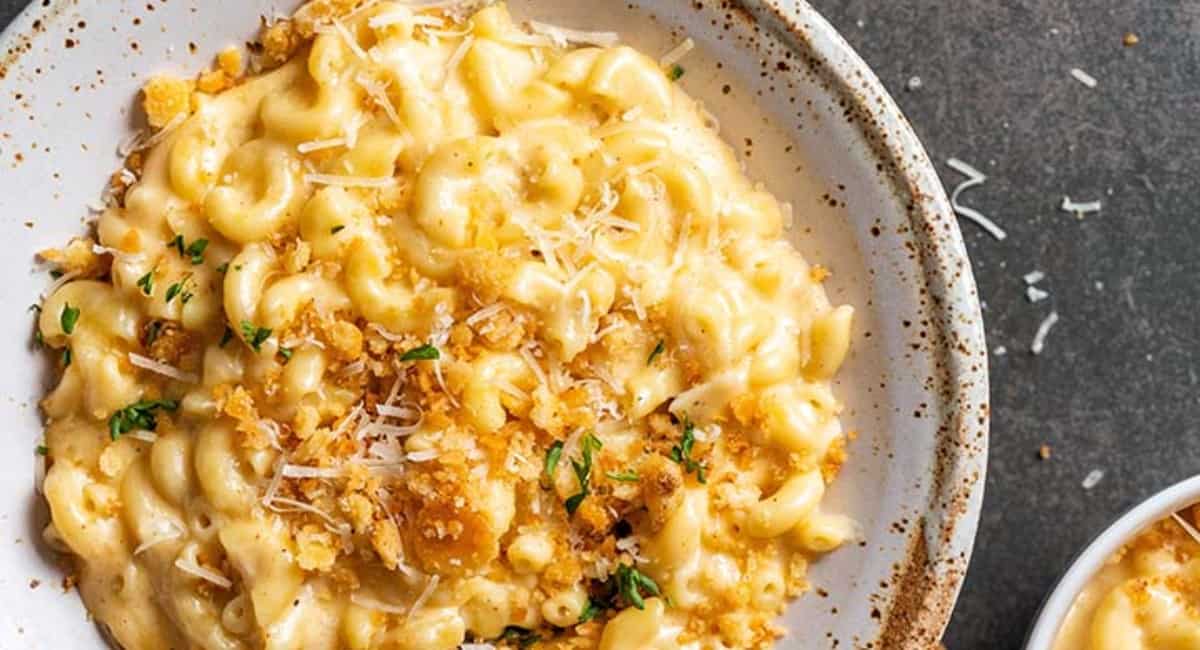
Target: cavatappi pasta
[
  {"x": 439, "y": 332},
  {"x": 1147, "y": 597}
]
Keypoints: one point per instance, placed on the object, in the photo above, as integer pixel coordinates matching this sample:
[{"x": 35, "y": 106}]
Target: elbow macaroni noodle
[
  {"x": 442, "y": 332},
  {"x": 1144, "y": 598}
]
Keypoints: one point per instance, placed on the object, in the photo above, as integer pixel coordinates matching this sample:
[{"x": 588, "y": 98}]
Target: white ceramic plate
[
  {"x": 808, "y": 118},
  {"x": 1092, "y": 559}
]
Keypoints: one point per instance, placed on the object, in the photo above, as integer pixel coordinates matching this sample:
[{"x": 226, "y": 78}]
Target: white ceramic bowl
[
  {"x": 807, "y": 116},
  {"x": 1058, "y": 604}
]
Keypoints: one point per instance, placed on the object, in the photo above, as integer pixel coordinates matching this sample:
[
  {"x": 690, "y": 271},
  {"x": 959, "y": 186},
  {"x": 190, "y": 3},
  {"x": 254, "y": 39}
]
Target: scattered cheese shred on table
[
  {"x": 1035, "y": 294},
  {"x": 1080, "y": 209},
  {"x": 1084, "y": 78},
  {"x": 1034, "y": 277},
  {"x": 1092, "y": 479},
  {"x": 974, "y": 179},
  {"x": 1039, "y": 339}
]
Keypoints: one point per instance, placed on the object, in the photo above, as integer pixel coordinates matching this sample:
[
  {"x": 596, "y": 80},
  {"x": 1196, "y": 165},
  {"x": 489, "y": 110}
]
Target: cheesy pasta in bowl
[
  {"x": 1136, "y": 586},
  {"x": 439, "y": 331},
  {"x": 454, "y": 324}
]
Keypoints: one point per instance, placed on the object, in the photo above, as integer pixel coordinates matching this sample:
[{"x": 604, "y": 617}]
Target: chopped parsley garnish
[
  {"x": 42, "y": 450},
  {"x": 658, "y": 349},
  {"x": 336, "y": 229},
  {"x": 426, "y": 352},
  {"x": 675, "y": 73},
  {"x": 591, "y": 610},
  {"x": 146, "y": 283},
  {"x": 56, "y": 274},
  {"x": 226, "y": 337},
  {"x": 583, "y": 471},
  {"x": 631, "y": 583},
  {"x": 139, "y": 415},
  {"x": 553, "y": 454},
  {"x": 68, "y": 318},
  {"x": 286, "y": 353},
  {"x": 628, "y": 476},
  {"x": 195, "y": 251},
  {"x": 254, "y": 335},
  {"x": 682, "y": 453},
  {"x": 152, "y": 332},
  {"x": 178, "y": 244},
  {"x": 66, "y": 357},
  {"x": 223, "y": 267},
  {"x": 523, "y": 637},
  {"x": 180, "y": 289}
]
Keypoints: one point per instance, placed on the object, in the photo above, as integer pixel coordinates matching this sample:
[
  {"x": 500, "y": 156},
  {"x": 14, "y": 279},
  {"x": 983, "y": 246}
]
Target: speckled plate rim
[
  {"x": 916, "y": 605},
  {"x": 927, "y": 586},
  {"x": 1058, "y": 603}
]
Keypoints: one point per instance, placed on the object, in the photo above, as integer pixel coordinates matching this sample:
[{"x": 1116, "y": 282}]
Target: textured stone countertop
[{"x": 1116, "y": 388}]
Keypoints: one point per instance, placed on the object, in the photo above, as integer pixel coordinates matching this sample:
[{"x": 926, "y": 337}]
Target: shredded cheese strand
[{"x": 974, "y": 179}]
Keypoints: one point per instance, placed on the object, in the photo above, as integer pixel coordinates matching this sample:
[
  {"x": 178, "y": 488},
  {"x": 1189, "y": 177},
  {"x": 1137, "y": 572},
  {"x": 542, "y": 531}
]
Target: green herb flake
[
  {"x": 195, "y": 251},
  {"x": 178, "y": 244},
  {"x": 524, "y": 638},
  {"x": 591, "y": 610},
  {"x": 682, "y": 453},
  {"x": 254, "y": 335},
  {"x": 146, "y": 283},
  {"x": 42, "y": 450},
  {"x": 553, "y": 455},
  {"x": 627, "y": 476},
  {"x": 38, "y": 339},
  {"x": 139, "y": 415},
  {"x": 658, "y": 350},
  {"x": 631, "y": 584},
  {"x": 583, "y": 471},
  {"x": 180, "y": 289},
  {"x": 68, "y": 318},
  {"x": 424, "y": 353},
  {"x": 152, "y": 332},
  {"x": 336, "y": 229},
  {"x": 286, "y": 353},
  {"x": 56, "y": 274},
  {"x": 66, "y": 357},
  {"x": 675, "y": 73},
  {"x": 226, "y": 337},
  {"x": 223, "y": 267}
]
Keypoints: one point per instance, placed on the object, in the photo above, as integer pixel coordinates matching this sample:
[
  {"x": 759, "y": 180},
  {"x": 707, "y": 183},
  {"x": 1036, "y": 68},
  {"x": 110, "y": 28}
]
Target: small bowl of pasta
[
  {"x": 1135, "y": 586},
  {"x": 463, "y": 325}
]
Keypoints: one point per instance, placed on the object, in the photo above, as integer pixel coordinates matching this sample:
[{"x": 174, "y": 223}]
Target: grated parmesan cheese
[
  {"x": 1036, "y": 295},
  {"x": 1039, "y": 339},
  {"x": 378, "y": 93},
  {"x": 305, "y": 471},
  {"x": 143, "y": 435},
  {"x": 163, "y": 369},
  {"x": 1034, "y": 277},
  {"x": 677, "y": 53},
  {"x": 1188, "y": 528},
  {"x": 975, "y": 178},
  {"x": 1080, "y": 209},
  {"x": 371, "y": 603},
  {"x": 350, "y": 181},
  {"x": 1084, "y": 78},
  {"x": 206, "y": 574},
  {"x": 173, "y": 534},
  {"x": 564, "y": 35},
  {"x": 317, "y": 145},
  {"x": 1092, "y": 479},
  {"x": 457, "y": 57},
  {"x": 426, "y": 594}
]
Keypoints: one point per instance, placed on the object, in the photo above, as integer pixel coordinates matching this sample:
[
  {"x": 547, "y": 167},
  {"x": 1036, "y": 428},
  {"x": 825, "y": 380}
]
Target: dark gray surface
[{"x": 1116, "y": 388}]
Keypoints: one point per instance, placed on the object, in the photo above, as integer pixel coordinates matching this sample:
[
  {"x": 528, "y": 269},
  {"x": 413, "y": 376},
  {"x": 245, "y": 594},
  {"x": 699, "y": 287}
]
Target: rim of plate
[
  {"x": 1056, "y": 606},
  {"x": 922, "y": 595}
]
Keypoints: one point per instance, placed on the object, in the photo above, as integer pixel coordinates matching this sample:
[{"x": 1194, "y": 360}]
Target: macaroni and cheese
[
  {"x": 433, "y": 331},
  {"x": 1147, "y": 597}
]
